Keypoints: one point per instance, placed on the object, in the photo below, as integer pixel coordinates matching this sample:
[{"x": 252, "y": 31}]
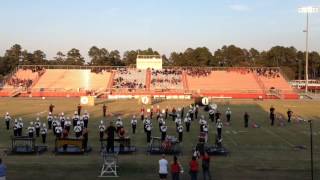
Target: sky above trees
[{"x": 164, "y": 25}]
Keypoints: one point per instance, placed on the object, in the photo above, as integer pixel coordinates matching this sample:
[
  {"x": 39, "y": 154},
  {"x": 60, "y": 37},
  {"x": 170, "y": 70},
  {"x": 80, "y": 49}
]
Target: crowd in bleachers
[
  {"x": 24, "y": 77},
  {"x": 129, "y": 78},
  {"x": 36, "y": 69},
  {"x": 167, "y": 79},
  {"x": 198, "y": 72},
  {"x": 266, "y": 72},
  {"x": 17, "y": 82},
  {"x": 269, "y": 73}
]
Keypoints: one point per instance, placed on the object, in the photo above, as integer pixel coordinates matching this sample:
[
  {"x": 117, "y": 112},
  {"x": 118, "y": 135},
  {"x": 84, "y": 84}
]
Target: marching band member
[
  {"x": 85, "y": 118},
  {"x": 20, "y": 127},
  {"x": 180, "y": 132},
  {"x": 119, "y": 124},
  {"x": 206, "y": 131},
  {"x": 102, "y": 128},
  {"x": 187, "y": 121},
  {"x": 59, "y": 131},
  {"x": 7, "y": 119},
  {"x": 178, "y": 120},
  {"x": 191, "y": 112},
  {"x": 163, "y": 130},
  {"x": 145, "y": 123},
  {"x": 81, "y": 122},
  {"x": 77, "y": 129},
  {"x": 62, "y": 119},
  {"x": 219, "y": 128},
  {"x": 54, "y": 124},
  {"x": 15, "y": 128},
  {"x": 43, "y": 133},
  {"x": 228, "y": 114},
  {"x": 37, "y": 125},
  {"x": 75, "y": 118},
  {"x": 50, "y": 119},
  {"x": 148, "y": 129},
  {"x": 67, "y": 124},
  {"x": 134, "y": 123},
  {"x": 196, "y": 111},
  {"x": 202, "y": 122},
  {"x": 160, "y": 121},
  {"x": 211, "y": 114},
  {"x": 31, "y": 130}
]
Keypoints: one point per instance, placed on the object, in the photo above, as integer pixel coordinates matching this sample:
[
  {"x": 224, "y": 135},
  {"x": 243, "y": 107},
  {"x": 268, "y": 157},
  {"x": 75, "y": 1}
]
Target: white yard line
[{"x": 274, "y": 134}]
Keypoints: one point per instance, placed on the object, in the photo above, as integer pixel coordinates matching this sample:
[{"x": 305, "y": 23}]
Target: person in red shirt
[
  {"x": 175, "y": 169},
  {"x": 206, "y": 166},
  {"x": 193, "y": 168}
]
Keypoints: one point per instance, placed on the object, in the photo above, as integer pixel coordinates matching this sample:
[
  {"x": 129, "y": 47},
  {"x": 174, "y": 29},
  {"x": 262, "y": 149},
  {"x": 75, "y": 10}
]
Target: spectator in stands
[{"x": 198, "y": 72}]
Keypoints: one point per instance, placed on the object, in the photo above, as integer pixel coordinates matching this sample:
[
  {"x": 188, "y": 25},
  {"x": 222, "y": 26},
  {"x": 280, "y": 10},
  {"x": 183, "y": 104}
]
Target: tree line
[{"x": 291, "y": 60}]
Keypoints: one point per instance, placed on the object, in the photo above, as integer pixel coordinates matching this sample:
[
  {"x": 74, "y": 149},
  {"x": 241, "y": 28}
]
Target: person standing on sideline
[
  {"x": 246, "y": 119},
  {"x": 228, "y": 115},
  {"x": 79, "y": 107},
  {"x": 3, "y": 170},
  {"x": 51, "y": 108},
  {"x": 104, "y": 110},
  {"x": 175, "y": 169},
  {"x": 206, "y": 166},
  {"x": 110, "y": 139},
  {"x": 272, "y": 115},
  {"x": 193, "y": 168},
  {"x": 163, "y": 168},
  {"x": 289, "y": 113}
]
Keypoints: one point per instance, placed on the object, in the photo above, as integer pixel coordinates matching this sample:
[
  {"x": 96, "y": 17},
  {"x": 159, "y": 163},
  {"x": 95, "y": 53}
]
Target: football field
[{"x": 255, "y": 153}]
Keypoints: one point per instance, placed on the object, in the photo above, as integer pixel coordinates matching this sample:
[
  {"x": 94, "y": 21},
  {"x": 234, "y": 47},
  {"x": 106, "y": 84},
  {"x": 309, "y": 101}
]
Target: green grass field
[{"x": 256, "y": 153}]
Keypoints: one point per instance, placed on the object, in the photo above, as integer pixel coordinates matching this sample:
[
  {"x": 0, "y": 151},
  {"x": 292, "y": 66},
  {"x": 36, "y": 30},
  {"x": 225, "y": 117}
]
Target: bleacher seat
[{"x": 74, "y": 79}]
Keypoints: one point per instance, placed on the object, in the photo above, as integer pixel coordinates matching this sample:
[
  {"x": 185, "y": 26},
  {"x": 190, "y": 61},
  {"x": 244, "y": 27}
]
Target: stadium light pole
[
  {"x": 311, "y": 148},
  {"x": 307, "y": 10}
]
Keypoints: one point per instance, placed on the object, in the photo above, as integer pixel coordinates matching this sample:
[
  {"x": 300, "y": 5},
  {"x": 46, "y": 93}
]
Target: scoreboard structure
[{"x": 149, "y": 61}]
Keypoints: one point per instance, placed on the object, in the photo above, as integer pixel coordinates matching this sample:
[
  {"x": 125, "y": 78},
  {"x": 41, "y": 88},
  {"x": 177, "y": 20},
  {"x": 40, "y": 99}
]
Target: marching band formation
[{"x": 63, "y": 126}]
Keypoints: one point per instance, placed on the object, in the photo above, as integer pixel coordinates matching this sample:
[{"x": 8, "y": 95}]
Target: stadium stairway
[
  {"x": 148, "y": 79},
  {"x": 110, "y": 82},
  {"x": 185, "y": 81}
]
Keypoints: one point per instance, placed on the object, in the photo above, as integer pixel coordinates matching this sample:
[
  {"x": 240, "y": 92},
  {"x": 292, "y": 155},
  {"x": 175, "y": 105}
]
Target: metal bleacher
[{"x": 76, "y": 81}]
